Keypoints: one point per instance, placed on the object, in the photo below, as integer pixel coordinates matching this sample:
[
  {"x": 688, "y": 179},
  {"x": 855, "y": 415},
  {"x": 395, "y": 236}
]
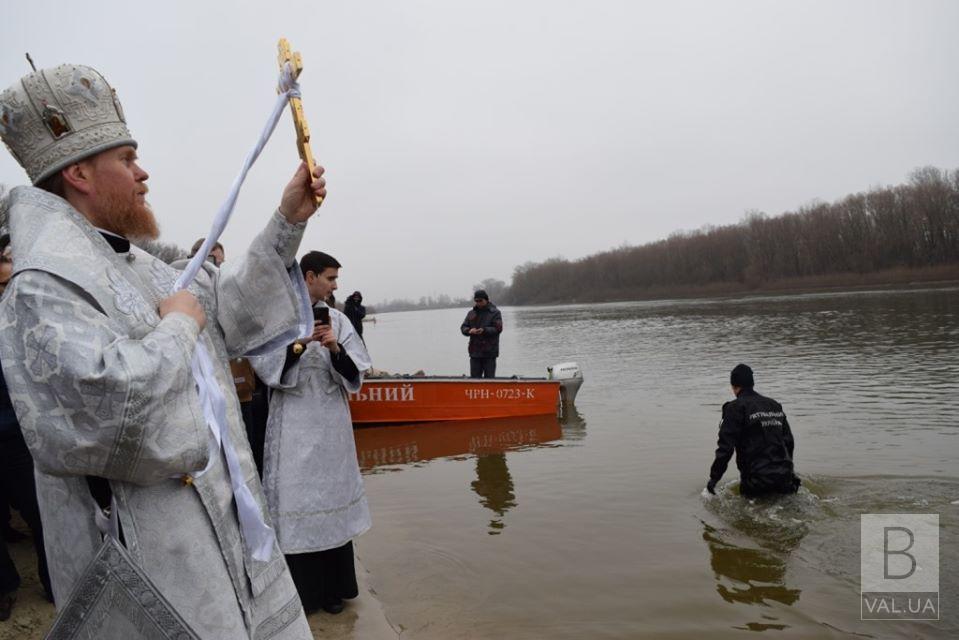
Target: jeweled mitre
[{"x": 54, "y": 117}]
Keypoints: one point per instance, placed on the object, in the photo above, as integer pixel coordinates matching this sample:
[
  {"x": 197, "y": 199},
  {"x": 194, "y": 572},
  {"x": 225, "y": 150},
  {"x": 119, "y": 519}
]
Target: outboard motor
[{"x": 571, "y": 379}]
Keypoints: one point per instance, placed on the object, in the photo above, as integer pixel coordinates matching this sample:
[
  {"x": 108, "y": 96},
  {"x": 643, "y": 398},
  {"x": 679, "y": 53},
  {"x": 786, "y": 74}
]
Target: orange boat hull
[
  {"x": 392, "y": 400},
  {"x": 386, "y": 446}
]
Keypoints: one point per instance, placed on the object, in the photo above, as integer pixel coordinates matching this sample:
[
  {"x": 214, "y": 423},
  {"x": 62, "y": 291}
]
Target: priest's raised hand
[{"x": 299, "y": 200}]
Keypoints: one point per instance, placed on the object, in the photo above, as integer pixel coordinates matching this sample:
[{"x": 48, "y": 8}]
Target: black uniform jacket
[{"x": 756, "y": 428}]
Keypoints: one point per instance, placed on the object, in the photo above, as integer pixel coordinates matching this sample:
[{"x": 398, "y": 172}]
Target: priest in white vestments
[
  {"x": 98, "y": 358},
  {"x": 310, "y": 472}
]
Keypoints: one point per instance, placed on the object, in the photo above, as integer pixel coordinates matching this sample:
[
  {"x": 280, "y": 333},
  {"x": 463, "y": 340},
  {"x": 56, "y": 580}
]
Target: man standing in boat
[
  {"x": 756, "y": 428},
  {"x": 310, "y": 472},
  {"x": 483, "y": 324}
]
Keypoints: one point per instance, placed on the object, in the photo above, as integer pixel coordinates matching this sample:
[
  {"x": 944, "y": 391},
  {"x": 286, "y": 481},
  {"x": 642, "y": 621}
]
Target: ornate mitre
[{"x": 54, "y": 117}]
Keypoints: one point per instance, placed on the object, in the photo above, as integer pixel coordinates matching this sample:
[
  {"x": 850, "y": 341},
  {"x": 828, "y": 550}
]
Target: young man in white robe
[
  {"x": 97, "y": 355},
  {"x": 310, "y": 472}
]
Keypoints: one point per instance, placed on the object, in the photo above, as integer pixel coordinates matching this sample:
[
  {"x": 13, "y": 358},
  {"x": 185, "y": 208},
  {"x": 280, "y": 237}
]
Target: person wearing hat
[
  {"x": 98, "y": 357},
  {"x": 756, "y": 428},
  {"x": 482, "y": 325},
  {"x": 355, "y": 311}
]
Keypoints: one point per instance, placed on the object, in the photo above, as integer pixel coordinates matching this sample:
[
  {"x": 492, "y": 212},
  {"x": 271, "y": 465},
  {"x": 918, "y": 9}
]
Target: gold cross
[{"x": 296, "y": 108}]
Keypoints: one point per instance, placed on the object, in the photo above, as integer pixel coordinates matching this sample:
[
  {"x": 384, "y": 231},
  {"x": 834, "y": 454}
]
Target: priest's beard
[{"x": 130, "y": 217}]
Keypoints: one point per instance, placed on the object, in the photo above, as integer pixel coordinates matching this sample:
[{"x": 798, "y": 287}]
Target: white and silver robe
[
  {"x": 310, "y": 472},
  {"x": 102, "y": 386}
]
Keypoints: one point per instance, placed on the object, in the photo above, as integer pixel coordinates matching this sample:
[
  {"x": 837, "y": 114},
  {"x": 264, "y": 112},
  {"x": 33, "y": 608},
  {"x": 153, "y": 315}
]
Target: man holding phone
[
  {"x": 310, "y": 473},
  {"x": 482, "y": 326}
]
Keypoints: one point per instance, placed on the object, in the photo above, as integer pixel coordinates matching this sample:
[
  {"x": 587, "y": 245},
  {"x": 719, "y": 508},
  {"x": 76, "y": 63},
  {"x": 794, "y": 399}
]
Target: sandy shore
[{"x": 32, "y": 615}]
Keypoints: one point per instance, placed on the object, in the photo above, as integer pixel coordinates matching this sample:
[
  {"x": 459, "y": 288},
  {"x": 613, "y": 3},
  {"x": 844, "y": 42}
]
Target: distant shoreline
[
  {"x": 938, "y": 277},
  {"x": 943, "y": 276}
]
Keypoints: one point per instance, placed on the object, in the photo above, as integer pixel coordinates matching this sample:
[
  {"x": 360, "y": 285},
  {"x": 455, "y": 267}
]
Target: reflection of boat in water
[
  {"x": 382, "y": 446},
  {"x": 398, "y": 399},
  {"x": 573, "y": 424},
  {"x": 487, "y": 440}
]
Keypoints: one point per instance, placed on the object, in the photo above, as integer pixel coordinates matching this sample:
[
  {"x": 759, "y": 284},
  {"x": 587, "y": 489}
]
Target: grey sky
[{"x": 464, "y": 138}]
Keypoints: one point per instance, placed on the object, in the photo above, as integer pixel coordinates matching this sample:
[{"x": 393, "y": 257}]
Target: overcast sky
[{"x": 462, "y": 139}]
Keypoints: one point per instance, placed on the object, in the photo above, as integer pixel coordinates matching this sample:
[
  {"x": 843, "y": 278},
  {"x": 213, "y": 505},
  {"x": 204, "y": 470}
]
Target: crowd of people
[{"x": 108, "y": 436}]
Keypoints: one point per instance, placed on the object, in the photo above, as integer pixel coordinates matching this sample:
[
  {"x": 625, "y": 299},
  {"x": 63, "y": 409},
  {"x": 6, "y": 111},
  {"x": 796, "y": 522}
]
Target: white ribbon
[
  {"x": 289, "y": 88},
  {"x": 257, "y": 534}
]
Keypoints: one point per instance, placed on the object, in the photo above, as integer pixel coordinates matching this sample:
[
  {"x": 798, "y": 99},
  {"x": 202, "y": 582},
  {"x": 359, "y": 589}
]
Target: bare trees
[
  {"x": 912, "y": 225},
  {"x": 495, "y": 288}
]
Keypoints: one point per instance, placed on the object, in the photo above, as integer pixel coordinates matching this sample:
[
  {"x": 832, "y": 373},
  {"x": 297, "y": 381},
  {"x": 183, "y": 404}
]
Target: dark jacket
[
  {"x": 9, "y": 427},
  {"x": 355, "y": 312},
  {"x": 756, "y": 428},
  {"x": 490, "y": 320}
]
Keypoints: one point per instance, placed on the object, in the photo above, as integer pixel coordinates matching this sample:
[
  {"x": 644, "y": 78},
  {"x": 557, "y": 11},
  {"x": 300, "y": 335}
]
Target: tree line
[
  {"x": 496, "y": 289},
  {"x": 912, "y": 226},
  {"x": 441, "y": 301},
  {"x": 906, "y": 229}
]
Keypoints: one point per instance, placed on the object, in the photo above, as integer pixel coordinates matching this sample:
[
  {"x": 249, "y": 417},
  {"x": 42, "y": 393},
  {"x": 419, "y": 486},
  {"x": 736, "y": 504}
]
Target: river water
[{"x": 594, "y": 526}]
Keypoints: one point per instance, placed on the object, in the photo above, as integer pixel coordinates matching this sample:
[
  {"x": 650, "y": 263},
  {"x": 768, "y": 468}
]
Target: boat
[
  {"x": 406, "y": 399},
  {"x": 387, "y": 446}
]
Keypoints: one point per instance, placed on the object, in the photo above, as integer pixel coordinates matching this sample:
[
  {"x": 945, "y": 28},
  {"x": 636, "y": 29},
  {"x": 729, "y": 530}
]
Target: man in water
[{"x": 756, "y": 428}]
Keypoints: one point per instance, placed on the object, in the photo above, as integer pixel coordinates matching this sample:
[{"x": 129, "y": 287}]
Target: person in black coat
[
  {"x": 483, "y": 324},
  {"x": 756, "y": 428},
  {"x": 355, "y": 311},
  {"x": 16, "y": 479}
]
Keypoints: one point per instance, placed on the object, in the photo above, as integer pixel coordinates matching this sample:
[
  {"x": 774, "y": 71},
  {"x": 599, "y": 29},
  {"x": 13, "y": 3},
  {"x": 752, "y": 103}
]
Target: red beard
[{"x": 133, "y": 220}]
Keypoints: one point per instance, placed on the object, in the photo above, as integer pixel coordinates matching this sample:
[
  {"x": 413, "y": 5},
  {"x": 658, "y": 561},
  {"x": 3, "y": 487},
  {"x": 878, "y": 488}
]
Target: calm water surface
[{"x": 593, "y": 526}]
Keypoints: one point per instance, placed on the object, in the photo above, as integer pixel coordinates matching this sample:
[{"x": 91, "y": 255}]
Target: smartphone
[{"x": 321, "y": 315}]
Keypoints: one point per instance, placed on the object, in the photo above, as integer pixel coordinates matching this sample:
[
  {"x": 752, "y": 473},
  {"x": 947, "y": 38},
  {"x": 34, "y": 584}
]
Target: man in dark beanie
[
  {"x": 756, "y": 428},
  {"x": 355, "y": 311},
  {"x": 483, "y": 324}
]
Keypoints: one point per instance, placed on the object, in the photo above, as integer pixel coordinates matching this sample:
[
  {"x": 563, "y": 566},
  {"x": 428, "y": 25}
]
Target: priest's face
[
  {"x": 321, "y": 286},
  {"x": 119, "y": 194}
]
